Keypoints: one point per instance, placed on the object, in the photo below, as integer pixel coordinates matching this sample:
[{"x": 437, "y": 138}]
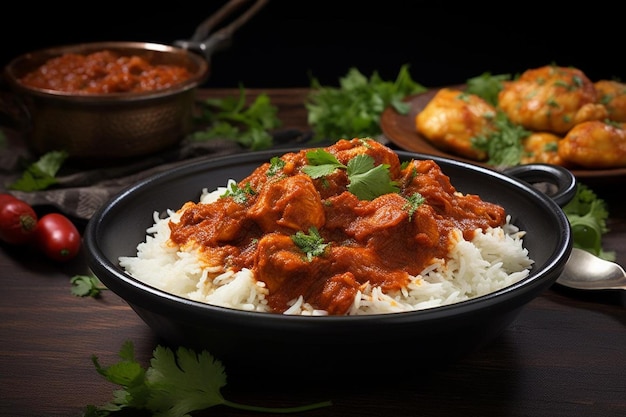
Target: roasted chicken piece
[
  {"x": 452, "y": 118},
  {"x": 541, "y": 147},
  {"x": 551, "y": 99},
  {"x": 612, "y": 94},
  {"x": 594, "y": 145}
]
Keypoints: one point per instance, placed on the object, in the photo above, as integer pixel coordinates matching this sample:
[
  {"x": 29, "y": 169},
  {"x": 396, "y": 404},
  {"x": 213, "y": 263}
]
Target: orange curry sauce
[
  {"x": 103, "y": 72},
  {"x": 375, "y": 241}
]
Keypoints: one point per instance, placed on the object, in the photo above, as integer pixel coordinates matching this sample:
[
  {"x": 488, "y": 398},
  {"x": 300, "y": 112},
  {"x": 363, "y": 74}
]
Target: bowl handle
[{"x": 555, "y": 181}]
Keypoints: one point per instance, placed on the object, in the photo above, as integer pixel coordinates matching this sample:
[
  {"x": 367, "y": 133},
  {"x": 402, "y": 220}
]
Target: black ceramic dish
[{"x": 250, "y": 342}]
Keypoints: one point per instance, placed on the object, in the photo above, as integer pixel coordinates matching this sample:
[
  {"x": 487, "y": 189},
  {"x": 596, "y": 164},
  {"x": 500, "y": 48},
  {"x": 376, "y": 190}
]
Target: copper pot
[{"x": 121, "y": 125}]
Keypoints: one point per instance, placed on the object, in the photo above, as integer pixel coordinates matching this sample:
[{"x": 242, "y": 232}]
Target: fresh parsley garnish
[
  {"x": 239, "y": 194},
  {"x": 276, "y": 166},
  {"x": 366, "y": 180},
  {"x": 42, "y": 173},
  {"x": 412, "y": 203},
  {"x": 232, "y": 118},
  {"x": 354, "y": 108},
  {"x": 487, "y": 86},
  {"x": 587, "y": 214},
  {"x": 175, "y": 385},
  {"x": 86, "y": 286},
  {"x": 504, "y": 145},
  {"x": 312, "y": 244}
]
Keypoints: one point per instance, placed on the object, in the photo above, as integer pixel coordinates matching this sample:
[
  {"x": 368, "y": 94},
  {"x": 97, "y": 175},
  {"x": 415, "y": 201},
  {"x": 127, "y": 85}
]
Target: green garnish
[
  {"x": 239, "y": 194},
  {"x": 276, "y": 166},
  {"x": 174, "y": 385},
  {"x": 354, "y": 108},
  {"x": 231, "y": 118},
  {"x": 312, "y": 244},
  {"x": 487, "y": 86},
  {"x": 412, "y": 203},
  {"x": 504, "y": 145},
  {"x": 366, "y": 180},
  {"x": 41, "y": 174},
  {"x": 86, "y": 286},
  {"x": 587, "y": 214}
]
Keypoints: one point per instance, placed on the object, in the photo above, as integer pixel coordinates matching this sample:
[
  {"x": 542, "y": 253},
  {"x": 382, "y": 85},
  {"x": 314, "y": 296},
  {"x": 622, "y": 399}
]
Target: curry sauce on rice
[{"x": 342, "y": 230}]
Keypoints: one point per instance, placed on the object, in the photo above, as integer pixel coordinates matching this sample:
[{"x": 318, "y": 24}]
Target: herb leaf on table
[{"x": 176, "y": 384}]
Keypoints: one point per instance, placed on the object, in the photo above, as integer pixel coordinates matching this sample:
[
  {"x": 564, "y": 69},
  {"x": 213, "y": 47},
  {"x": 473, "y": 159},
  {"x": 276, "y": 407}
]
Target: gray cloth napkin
[{"x": 82, "y": 191}]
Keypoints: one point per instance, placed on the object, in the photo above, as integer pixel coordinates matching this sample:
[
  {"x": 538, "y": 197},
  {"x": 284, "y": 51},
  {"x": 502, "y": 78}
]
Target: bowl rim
[{"x": 507, "y": 297}]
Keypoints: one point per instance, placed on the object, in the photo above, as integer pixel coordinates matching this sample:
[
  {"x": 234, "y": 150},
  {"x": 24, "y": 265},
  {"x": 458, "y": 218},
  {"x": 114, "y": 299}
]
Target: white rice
[{"x": 494, "y": 259}]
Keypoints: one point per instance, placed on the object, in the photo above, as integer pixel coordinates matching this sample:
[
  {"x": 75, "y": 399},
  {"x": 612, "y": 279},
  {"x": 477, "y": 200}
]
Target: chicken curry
[{"x": 322, "y": 223}]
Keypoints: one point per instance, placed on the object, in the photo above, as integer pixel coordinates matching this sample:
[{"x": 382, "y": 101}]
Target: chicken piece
[
  {"x": 595, "y": 145},
  {"x": 345, "y": 150},
  {"x": 288, "y": 205},
  {"x": 551, "y": 99},
  {"x": 452, "y": 118},
  {"x": 612, "y": 94},
  {"x": 541, "y": 147}
]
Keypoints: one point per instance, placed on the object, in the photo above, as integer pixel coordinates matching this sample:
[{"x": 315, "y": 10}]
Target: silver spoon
[{"x": 585, "y": 271}]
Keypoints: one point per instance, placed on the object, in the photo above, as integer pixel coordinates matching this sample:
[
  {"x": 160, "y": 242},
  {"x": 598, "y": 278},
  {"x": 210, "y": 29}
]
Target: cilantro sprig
[
  {"x": 41, "y": 174},
  {"x": 232, "y": 118},
  {"x": 587, "y": 214},
  {"x": 413, "y": 202},
  {"x": 366, "y": 180},
  {"x": 86, "y": 286},
  {"x": 504, "y": 145},
  {"x": 239, "y": 194},
  {"x": 487, "y": 86},
  {"x": 312, "y": 244},
  {"x": 175, "y": 384},
  {"x": 354, "y": 108}
]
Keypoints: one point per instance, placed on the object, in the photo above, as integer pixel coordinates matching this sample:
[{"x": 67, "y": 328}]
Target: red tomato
[
  {"x": 18, "y": 220},
  {"x": 57, "y": 237}
]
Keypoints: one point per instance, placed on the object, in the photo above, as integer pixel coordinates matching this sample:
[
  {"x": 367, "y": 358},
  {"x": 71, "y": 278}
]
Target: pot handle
[
  {"x": 555, "y": 181},
  {"x": 205, "y": 42}
]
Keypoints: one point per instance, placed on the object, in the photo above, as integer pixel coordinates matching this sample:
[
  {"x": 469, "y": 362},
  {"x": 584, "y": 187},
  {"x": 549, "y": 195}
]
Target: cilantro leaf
[
  {"x": 276, "y": 166},
  {"x": 183, "y": 383},
  {"x": 176, "y": 384},
  {"x": 353, "y": 109},
  {"x": 487, "y": 86},
  {"x": 232, "y": 118},
  {"x": 86, "y": 286},
  {"x": 368, "y": 181},
  {"x": 41, "y": 174},
  {"x": 311, "y": 244},
  {"x": 587, "y": 214},
  {"x": 504, "y": 144},
  {"x": 323, "y": 163},
  {"x": 239, "y": 195},
  {"x": 412, "y": 203}
]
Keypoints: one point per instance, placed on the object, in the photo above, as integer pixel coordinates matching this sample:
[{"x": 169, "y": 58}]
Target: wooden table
[{"x": 565, "y": 355}]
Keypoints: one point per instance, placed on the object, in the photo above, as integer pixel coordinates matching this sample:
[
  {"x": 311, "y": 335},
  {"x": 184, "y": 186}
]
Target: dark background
[{"x": 291, "y": 40}]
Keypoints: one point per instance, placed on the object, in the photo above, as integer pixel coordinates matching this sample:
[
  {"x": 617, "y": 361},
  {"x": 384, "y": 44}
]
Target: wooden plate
[{"x": 401, "y": 131}]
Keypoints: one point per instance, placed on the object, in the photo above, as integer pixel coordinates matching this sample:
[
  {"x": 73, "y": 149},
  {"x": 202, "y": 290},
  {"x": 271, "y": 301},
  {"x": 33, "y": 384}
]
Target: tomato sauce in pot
[{"x": 103, "y": 72}]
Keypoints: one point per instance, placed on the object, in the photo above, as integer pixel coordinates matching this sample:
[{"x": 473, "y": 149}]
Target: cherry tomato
[
  {"x": 18, "y": 220},
  {"x": 57, "y": 237}
]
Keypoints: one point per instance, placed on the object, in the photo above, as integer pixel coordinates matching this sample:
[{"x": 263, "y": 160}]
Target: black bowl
[{"x": 252, "y": 342}]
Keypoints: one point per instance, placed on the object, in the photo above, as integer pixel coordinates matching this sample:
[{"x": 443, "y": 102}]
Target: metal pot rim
[{"x": 31, "y": 60}]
